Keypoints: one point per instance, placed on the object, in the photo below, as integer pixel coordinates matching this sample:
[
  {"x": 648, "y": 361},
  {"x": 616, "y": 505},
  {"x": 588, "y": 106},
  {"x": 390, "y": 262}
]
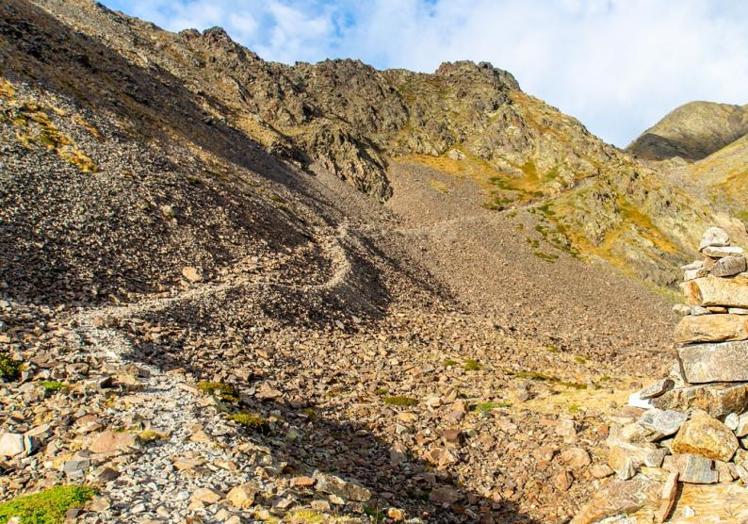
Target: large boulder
[
  {"x": 705, "y": 436},
  {"x": 723, "y": 362},
  {"x": 714, "y": 291},
  {"x": 711, "y": 328}
]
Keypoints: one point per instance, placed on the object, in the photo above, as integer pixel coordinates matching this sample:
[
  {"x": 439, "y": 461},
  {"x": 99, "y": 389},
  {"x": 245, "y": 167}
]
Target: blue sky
[{"x": 617, "y": 65}]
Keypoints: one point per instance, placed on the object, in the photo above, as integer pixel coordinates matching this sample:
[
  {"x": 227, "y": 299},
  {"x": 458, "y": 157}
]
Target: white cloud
[{"x": 617, "y": 65}]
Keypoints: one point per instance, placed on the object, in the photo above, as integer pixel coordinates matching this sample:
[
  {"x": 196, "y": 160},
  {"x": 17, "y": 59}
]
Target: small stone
[
  {"x": 625, "y": 457},
  {"x": 76, "y": 467},
  {"x": 699, "y": 310},
  {"x": 444, "y": 495},
  {"x": 337, "y": 486},
  {"x": 206, "y": 496},
  {"x": 99, "y": 504},
  {"x": 12, "y": 444},
  {"x": 396, "y": 514},
  {"x": 267, "y": 392},
  {"x": 722, "y": 252},
  {"x": 681, "y": 309},
  {"x": 725, "y": 471},
  {"x": 600, "y": 471},
  {"x": 656, "y": 389},
  {"x": 566, "y": 428},
  {"x": 695, "y": 469},
  {"x": 714, "y": 236},
  {"x": 705, "y": 436},
  {"x": 729, "y": 266},
  {"x": 731, "y": 421},
  {"x": 741, "y": 427},
  {"x": 737, "y": 311},
  {"x": 192, "y": 274},
  {"x": 112, "y": 442},
  {"x": 563, "y": 480},
  {"x": 320, "y": 505},
  {"x": 303, "y": 482},
  {"x": 575, "y": 458},
  {"x": 242, "y": 496}
]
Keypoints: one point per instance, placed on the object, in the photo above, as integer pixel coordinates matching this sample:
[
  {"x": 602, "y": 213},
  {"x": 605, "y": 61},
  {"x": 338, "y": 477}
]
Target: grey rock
[
  {"x": 12, "y": 444},
  {"x": 336, "y": 486},
  {"x": 723, "y": 362},
  {"x": 699, "y": 310},
  {"x": 662, "y": 423},
  {"x": 728, "y": 266},
  {"x": 714, "y": 236},
  {"x": 694, "y": 469},
  {"x": 76, "y": 467},
  {"x": 737, "y": 311},
  {"x": 681, "y": 309}
]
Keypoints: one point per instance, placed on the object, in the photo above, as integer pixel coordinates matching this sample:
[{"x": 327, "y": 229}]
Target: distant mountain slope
[{"x": 692, "y": 131}]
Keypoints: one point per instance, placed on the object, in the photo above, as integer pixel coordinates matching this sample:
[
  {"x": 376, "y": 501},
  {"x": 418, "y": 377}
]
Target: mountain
[
  {"x": 236, "y": 289},
  {"x": 692, "y": 131}
]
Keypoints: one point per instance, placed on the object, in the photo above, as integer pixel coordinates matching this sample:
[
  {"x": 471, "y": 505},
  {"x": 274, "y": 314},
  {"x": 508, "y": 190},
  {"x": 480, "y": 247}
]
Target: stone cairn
[{"x": 691, "y": 427}]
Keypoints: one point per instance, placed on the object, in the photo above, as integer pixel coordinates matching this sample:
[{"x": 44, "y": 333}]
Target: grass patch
[
  {"x": 400, "y": 401},
  {"x": 542, "y": 377},
  {"x": 147, "y": 436},
  {"x": 579, "y": 359},
  {"x": 46, "y": 507},
  {"x": 547, "y": 257},
  {"x": 10, "y": 369},
  {"x": 381, "y": 391},
  {"x": 223, "y": 391},
  {"x": 450, "y": 362},
  {"x": 487, "y": 407},
  {"x": 306, "y": 516},
  {"x": 439, "y": 186},
  {"x": 552, "y": 348},
  {"x": 53, "y": 386},
  {"x": 250, "y": 420},
  {"x": 472, "y": 365}
]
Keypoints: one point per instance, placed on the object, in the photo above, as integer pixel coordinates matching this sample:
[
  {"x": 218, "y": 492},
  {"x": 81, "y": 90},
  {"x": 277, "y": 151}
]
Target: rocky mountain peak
[{"x": 470, "y": 71}]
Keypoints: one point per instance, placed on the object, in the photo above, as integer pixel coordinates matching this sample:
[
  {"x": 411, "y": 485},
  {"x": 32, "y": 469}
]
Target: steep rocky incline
[
  {"x": 345, "y": 117},
  {"x": 692, "y": 131}
]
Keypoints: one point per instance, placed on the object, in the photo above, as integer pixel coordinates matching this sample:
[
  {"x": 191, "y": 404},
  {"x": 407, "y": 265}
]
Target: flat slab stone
[
  {"x": 711, "y": 328},
  {"x": 619, "y": 497},
  {"x": 718, "y": 400},
  {"x": 695, "y": 469},
  {"x": 656, "y": 389},
  {"x": 715, "y": 291},
  {"x": 724, "y": 251},
  {"x": 723, "y": 362}
]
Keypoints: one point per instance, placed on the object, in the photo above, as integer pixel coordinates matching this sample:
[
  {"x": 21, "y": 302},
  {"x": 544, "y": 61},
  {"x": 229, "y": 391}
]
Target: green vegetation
[
  {"x": 53, "y": 386},
  {"x": 400, "y": 401},
  {"x": 450, "y": 362},
  {"x": 472, "y": 365},
  {"x": 579, "y": 359},
  {"x": 548, "y": 257},
  {"x": 542, "y": 377},
  {"x": 10, "y": 369},
  {"x": 250, "y": 420},
  {"x": 487, "y": 407},
  {"x": 223, "y": 391},
  {"x": 381, "y": 391},
  {"x": 46, "y": 507}
]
